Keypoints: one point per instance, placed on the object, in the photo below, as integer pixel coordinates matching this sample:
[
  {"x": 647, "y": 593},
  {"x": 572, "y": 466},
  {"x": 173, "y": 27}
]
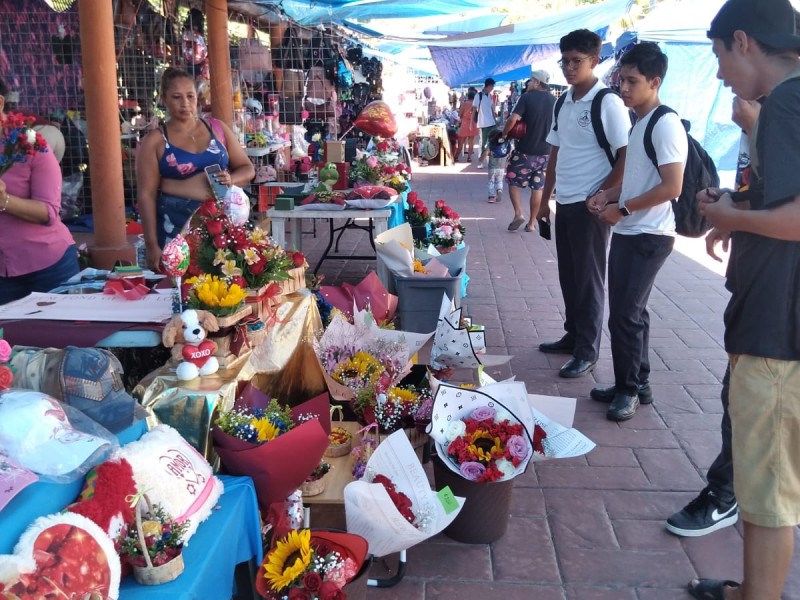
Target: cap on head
[
  {"x": 771, "y": 22},
  {"x": 541, "y": 76}
]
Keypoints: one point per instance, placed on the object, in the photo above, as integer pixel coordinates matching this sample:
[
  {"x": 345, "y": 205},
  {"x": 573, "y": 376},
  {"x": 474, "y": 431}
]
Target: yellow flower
[
  {"x": 266, "y": 430},
  {"x": 419, "y": 267},
  {"x": 230, "y": 269},
  {"x": 362, "y": 366},
  {"x": 484, "y": 446},
  {"x": 289, "y": 560},
  {"x": 220, "y": 256},
  {"x": 258, "y": 235},
  {"x": 250, "y": 256},
  {"x": 402, "y": 395}
]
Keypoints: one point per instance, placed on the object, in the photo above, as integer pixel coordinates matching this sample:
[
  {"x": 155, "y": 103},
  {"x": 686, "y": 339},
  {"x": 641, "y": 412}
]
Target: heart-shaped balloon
[
  {"x": 377, "y": 119},
  {"x": 61, "y": 556}
]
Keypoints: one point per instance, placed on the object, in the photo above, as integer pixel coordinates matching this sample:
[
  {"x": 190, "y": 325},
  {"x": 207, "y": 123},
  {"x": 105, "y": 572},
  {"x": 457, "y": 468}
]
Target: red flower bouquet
[{"x": 17, "y": 140}]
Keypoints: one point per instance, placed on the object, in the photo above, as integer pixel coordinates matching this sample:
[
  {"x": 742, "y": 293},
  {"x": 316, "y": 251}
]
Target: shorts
[
  {"x": 172, "y": 214},
  {"x": 765, "y": 416},
  {"x": 526, "y": 170}
]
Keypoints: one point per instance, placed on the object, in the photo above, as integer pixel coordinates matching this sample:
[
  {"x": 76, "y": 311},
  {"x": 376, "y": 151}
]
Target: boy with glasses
[
  {"x": 579, "y": 167},
  {"x": 640, "y": 211}
]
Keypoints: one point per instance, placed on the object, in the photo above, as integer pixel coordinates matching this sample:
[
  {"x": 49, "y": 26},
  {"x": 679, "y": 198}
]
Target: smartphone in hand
[{"x": 217, "y": 188}]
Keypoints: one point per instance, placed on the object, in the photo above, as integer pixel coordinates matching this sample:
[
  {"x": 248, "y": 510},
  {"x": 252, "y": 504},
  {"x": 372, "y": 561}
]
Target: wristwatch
[{"x": 624, "y": 211}]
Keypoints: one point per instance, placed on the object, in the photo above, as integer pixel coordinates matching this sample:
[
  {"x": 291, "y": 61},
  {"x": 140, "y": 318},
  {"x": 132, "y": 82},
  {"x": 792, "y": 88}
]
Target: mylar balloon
[{"x": 377, "y": 119}]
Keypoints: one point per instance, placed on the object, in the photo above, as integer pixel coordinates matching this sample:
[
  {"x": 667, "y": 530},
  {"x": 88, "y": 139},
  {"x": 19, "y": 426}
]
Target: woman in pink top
[
  {"x": 37, "y": 252},
  {"x": 468, "y": 129}
]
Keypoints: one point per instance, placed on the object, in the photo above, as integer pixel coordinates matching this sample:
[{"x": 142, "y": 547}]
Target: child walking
[{"x": 496, "y": 167}]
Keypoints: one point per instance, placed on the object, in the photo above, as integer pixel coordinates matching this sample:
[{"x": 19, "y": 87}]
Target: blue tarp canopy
[
  {"x": 506, "y": 52},
  {"x": 691, "y": 86}
]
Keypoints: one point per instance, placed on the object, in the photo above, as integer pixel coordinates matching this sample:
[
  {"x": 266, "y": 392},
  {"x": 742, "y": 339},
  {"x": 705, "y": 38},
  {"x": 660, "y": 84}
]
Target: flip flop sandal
[
  {"x": 710, "y": 589},
  {"x": 516, "y": 224},
  {"x": 529, "y": 229}
]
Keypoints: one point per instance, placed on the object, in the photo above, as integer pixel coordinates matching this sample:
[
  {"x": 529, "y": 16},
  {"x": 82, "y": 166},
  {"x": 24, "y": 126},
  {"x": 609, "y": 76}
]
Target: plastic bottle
[{"x": 141, "y": 252}]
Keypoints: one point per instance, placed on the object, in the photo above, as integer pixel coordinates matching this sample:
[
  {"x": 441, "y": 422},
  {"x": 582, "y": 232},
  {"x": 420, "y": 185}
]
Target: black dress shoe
[
  {"x": 607, "y": 394},
  {"x": 563, "y": 346},
  {"x": 576, "y": 367},
  {"x": 623, "y": 407}
]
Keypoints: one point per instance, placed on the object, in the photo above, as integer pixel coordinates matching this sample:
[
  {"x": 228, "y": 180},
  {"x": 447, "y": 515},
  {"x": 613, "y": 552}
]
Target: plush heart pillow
[
  {"x": 61, "y": 556},
  {"x": 173, "y": 474}
]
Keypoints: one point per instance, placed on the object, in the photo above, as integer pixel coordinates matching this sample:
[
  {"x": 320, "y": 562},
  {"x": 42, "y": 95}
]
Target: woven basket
[
  {"x": 151, "y": 575},
  {"x": 296, "y": 281},
  {"x": 334, "y": 451},
  {"x": 313, "y": 488}
]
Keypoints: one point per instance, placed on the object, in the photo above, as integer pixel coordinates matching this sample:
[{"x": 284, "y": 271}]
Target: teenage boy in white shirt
[
  {"x": 485, "y": 118},
  {"x": 640, "y": 211},
  {"x": 579, "y": 166}
]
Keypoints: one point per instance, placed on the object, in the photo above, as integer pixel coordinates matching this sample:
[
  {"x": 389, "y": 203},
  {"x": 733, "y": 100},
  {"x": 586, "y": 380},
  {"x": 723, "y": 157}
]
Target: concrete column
[
  {"x": 102, "y": 117},
  {"x": 219, "y": 56}
]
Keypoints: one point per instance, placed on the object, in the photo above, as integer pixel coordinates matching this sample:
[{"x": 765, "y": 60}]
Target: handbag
[
  {"x": 291, "y": 110},
  {"x": 519, "y": 130},
  {"x": 294, "y": 82},
  {"x": 254, "y": 60}
]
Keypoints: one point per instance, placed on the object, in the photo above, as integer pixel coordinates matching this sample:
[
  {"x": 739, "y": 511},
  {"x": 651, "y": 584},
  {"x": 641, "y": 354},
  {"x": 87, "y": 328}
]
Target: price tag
[{"x": 448, "y": 500}]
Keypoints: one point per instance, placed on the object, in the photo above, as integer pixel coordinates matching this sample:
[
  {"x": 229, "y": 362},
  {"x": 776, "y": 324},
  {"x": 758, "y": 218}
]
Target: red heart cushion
[{"x": 72, "y": 556}]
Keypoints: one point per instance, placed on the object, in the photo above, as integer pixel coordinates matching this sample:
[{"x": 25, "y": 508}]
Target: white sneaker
[
  {"x": 481, "y": 165},
  {"x": 499, "y": 195}
]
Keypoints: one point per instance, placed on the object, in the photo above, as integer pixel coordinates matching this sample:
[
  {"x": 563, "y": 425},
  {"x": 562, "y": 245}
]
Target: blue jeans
[
  {"x": 172, "y": 213},
  {"x": 14, "y": 288}
]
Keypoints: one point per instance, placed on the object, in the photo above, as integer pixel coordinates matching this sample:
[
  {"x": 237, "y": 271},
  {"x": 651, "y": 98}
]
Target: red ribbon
[{"x": 127, "y": 289}]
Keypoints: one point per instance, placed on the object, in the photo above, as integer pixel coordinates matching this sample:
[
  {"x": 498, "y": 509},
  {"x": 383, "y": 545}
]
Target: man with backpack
[
  {"x": 485, "y": 117},
  {"x": 587, "y": 153},
  {"x": 643, "y": 220}
]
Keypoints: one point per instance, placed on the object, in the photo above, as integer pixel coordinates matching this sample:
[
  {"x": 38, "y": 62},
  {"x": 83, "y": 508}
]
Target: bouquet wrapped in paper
[
  {"x": 459, "y": 345},
  {"x": 393, "y": 506},
  {"x": 368, "y": 295},
  {"x": 398, "y": 255},
  {"x": 492, "y": 433},
  {"x": 279, "y": 447}
]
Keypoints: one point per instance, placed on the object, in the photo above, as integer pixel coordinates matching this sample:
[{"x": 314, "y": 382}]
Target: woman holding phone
[{"x": 171, "y": 164}]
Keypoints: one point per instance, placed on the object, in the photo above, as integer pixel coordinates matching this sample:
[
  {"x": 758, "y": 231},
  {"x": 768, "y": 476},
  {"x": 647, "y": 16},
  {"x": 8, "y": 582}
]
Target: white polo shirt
[
  {"x": 672, "y": 146},
  {"x": 485, "y": 109},
  {"x": 582, "y": 164}
]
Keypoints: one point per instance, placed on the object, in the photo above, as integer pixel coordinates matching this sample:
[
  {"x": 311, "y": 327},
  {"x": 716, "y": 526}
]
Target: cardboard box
[{"x": 334, "y": 151}]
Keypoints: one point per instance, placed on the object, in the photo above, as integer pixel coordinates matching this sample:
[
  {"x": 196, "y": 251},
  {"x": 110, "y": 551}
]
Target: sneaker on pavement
[{"x": 703, "y": 515}]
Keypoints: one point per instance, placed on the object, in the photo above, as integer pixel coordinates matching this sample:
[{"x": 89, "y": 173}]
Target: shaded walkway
[{"x": 589, "y": 528}]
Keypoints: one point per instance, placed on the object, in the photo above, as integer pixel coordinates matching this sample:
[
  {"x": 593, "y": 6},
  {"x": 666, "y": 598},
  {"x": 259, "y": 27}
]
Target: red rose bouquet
[
  {"x": 244, "y": 256},
  {"x": 417, "y": 213},
  {"x": 17, "y": 140},
  {"x": 446, "y": 228}
]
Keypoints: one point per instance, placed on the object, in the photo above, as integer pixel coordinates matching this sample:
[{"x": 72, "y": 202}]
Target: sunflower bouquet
[
  {"x": 279, "y": 447},
  {"x": 209, "y": 292},
  {"x": 311, "y": 565}
]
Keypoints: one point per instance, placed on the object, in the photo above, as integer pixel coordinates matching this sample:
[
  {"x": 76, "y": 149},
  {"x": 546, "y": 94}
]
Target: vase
[
  {"x": 419, "y": 232},
  {"x": 446, "y": 249},
  {"x": 484, "y": 517}
]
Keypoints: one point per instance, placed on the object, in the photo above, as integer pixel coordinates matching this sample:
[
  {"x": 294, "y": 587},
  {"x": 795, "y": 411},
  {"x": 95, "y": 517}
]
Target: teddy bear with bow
[{"x": 191, "y": 328}]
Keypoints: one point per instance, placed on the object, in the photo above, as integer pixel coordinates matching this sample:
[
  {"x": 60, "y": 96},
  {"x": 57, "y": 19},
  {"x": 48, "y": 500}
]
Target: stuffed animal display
[{"x": 191, "y": 328}]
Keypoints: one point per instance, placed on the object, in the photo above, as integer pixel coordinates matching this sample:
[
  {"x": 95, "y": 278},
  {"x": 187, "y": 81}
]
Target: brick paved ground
[{"x": 589, "y": 528}]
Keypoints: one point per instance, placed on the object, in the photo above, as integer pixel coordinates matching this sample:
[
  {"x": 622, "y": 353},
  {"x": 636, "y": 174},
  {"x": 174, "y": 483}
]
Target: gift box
[
  {"x": 334, "y": 151},
  {"x": 343, "y": 183}
]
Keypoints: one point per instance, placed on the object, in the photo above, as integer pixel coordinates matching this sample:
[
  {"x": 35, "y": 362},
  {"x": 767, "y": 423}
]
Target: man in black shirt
[{"x": 528, "y": 162}]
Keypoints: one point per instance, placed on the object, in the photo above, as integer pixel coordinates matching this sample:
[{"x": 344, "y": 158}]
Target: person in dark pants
[
  {"x": 640, "y": 211},
  {"x": 579, "y": 167},
  {"x": 715, "y": 507}
]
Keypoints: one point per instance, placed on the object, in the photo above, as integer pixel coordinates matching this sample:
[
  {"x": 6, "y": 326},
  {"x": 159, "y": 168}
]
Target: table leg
[
  {"x": 297, "y": 235},
  {"x": 279, "y": 231}
]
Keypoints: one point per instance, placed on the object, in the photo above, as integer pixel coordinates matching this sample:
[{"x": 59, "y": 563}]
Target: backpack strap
[
  {"x": 217, "y": 130},
  {"x": 597, "y": 123},
  {"x": 649, "y": 148},
  {"x": 559, "y": 103}
]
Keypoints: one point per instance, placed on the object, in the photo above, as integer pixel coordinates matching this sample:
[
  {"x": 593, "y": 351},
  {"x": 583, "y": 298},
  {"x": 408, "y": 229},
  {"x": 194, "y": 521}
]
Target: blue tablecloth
[
  {"x": 231, "y": 535},
  {"x": 398, "y": 216}
]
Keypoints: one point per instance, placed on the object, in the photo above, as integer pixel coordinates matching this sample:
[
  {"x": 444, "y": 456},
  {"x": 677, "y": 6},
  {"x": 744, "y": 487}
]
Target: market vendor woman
[
  {"x": 171, "y": 162},
  {"x": 37, "y": 252}
]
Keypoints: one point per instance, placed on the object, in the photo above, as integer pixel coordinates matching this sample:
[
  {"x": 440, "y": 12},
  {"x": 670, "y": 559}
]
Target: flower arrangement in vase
[
  {"x": 209, "y": 292},
  {"x": 314, "y": 484},
  {"x": 18, "y": 140},
  {"x": 417, "y": 214},
  {"x": 447, "y": 232}
]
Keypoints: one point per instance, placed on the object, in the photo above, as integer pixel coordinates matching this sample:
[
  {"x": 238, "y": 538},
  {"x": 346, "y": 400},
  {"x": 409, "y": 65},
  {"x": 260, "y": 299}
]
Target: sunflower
[
  {"x": 289, "y": 560},
  {"x": 266, "y": 430},
  {"x": 484, "y": 446}
]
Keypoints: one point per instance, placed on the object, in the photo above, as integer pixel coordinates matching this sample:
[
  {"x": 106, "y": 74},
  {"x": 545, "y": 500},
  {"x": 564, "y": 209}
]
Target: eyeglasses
[{"x": 566, "y": 63}]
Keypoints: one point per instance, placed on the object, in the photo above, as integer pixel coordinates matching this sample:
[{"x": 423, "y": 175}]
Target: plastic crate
[{"x": 420, "y": 298}]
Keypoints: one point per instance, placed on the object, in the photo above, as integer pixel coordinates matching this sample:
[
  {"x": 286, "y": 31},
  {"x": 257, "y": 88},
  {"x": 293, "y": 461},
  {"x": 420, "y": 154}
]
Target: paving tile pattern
[{"x": 589, "y": 528}]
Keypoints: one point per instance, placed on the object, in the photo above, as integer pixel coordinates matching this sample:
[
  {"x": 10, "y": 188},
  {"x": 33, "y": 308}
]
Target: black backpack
[
  {"x": 597, "y": 122},
  {"x": 700, "y": 173}
]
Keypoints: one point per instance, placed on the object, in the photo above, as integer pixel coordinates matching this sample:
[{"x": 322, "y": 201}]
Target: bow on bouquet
[
  {"x": 278, "y": 447},
  {"x": 492, "y": 433},
  {"x": 393, "y": 506},
  {"x": 18, "y": 140}
]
